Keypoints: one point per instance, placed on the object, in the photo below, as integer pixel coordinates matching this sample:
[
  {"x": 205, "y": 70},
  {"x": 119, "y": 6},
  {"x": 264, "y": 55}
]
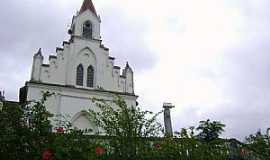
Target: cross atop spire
[{"x": 88, "y": 4}]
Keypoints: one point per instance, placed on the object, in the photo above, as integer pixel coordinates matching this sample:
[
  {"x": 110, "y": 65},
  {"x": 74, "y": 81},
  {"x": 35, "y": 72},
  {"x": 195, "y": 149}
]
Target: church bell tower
[{"x": 86, "y": 24}]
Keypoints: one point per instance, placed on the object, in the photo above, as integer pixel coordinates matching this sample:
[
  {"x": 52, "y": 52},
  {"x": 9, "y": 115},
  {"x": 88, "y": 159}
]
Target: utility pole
[{"x": 167, "y": 119}]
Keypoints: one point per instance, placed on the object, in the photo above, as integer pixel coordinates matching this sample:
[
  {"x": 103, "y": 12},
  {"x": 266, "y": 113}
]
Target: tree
[
  {"x": 260, "y": 143},
  {"x": 13, "y": 132},
  {"x": 39, "y": 125},
  {"x": 209, "y": 131},
  {"x": 25, "y": 129},
  {"x": 127, "y": 125}
]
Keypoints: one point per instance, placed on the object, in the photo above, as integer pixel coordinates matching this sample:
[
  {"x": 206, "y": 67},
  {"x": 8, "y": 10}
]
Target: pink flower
[
  {"x": 99, "y": 151},
  {"x": 157, "y": 146},
  {"x": 60, "y": 130},
  {"x": 47, "y": 155}
]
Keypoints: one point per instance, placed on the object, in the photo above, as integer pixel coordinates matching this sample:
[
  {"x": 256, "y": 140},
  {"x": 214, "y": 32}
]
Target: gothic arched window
[
  {"x": 90, "y": 76},
  {"x": 87, "y": 30},
  {"x": 79, "y": 76}
]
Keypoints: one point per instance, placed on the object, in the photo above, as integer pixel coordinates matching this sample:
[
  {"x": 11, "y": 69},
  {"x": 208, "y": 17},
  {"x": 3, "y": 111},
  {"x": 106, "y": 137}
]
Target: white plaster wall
[
  {"x": 86, "y": 57},
  {"x": 82, "y": 123},
  {"x": 71, "y": 101},
  {"x": 96, "y": 56},
  {"x": 45, "y": 74},
  {"x": 36, "y": 67},
  {"x": 62, "y": 70},
  {"x": 129, "y": 81}
]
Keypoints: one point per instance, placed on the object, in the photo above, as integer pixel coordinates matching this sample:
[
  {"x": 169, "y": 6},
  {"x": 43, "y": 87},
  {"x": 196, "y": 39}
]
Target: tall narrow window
[
  {"x": 87, "y": 30},
  {"x": 90, "y": 76},
  {"x": 79, "y": 78}
]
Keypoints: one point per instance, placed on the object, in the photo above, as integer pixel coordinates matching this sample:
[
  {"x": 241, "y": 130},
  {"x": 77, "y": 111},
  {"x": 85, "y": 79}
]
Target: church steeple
[
  {"x": 88, "y": 4},
  {"x": 86, "y": 23}
]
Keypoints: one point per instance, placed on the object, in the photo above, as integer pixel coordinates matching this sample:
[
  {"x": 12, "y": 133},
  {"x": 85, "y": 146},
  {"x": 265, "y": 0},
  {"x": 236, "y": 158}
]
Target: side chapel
[{"x": 80, "y": 69}]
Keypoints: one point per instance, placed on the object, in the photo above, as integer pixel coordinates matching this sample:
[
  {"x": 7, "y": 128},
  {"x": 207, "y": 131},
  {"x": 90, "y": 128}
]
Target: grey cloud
[
  {"x": 245, "y": 84},
  {"x": 125, "y": 38},
  {"x": 25, "y": 28},
  {"x": 247, "y": 73},
  {"x": 244, "y": 79},
  {"x": 248, "y": 84}
]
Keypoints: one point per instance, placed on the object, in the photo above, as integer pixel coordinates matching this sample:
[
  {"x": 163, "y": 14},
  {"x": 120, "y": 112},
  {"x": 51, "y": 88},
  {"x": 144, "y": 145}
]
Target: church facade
[{"x": 81, "y": 69}]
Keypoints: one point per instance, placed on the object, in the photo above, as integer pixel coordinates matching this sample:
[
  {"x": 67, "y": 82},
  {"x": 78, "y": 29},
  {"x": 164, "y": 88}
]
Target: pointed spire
[
  {"x": 128, "y": 68},
  {"x": 88, "y": 4},
  {"x": 39, "y": 51},
  {"x": 127, "y": 65}
]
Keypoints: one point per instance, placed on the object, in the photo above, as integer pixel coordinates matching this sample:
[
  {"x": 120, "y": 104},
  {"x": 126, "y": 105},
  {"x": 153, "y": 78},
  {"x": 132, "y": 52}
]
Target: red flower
[
  {"x": 60, "y": 130},
  {"x": 99, "y": 151},
  {"x": 157, "y": 146},
  {"x": 47, "y": 155},
  {"x": 243, "y": 152}
]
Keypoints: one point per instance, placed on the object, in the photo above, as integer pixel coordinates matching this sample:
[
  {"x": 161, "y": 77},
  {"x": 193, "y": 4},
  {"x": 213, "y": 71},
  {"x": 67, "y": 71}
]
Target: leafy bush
[{"x": 127, "y": 133}]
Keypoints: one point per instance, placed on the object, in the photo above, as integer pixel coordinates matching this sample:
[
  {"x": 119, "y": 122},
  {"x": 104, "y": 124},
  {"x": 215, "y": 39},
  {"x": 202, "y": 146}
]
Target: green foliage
[
  {"x": 186, "y": 133},
  {"x": 190, "y": 148},
  {"x": 127, "y": 125},
  {"x": 260, "y": 143},
  {"x": 73, "y": 145},
  {"x": 13, "y": 132},
  {"x": 38, "y": 116},
  {"x": 118, "y": 119},
  {"x": 209, "y": 131},
  {"x": 26, "y": 132}
]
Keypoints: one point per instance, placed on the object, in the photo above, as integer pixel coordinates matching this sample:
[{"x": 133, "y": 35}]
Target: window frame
[
  {"x": 90, "y": 76},
  {"x": 79, "y": 75},
  {"x": 87, "y": 31}
]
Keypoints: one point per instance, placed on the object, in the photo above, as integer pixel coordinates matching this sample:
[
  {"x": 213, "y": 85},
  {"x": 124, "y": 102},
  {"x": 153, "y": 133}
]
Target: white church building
[{"x": 81, "y": 69}]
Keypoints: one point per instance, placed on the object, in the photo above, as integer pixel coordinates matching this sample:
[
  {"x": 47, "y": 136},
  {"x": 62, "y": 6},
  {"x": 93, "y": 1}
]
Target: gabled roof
[{"x": 88, "y": 4}]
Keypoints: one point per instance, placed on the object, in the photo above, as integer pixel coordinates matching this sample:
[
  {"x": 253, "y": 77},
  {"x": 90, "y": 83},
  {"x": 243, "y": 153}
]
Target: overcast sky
[{"x": 209, "y": 58}]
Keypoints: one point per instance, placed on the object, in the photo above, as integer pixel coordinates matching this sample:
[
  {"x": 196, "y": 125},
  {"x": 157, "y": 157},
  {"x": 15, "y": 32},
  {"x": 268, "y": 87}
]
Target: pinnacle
[
  {"x": 127, "y": 65},
  {"x": 39, "y": 53}
]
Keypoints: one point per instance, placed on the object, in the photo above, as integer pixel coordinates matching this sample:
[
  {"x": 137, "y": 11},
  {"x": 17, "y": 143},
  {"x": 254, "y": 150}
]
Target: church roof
[{"x": 88, "y": 4}]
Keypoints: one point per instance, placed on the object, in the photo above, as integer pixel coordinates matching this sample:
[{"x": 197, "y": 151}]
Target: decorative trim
[
  {"x": 52, "y": 57},
  {"x": 59, "y": 49},
  {"x": 84, "y": 89},
  {"x": 78, "y": 115},
  {"x": 111, "y": 58},
  {"x": 79, "y": 37},
  {"x": 103, "y": 47},
  {"x": 65, "y": 42},
  {"x": 116, "y": 67},
  {"x": 45, "y": 65}
]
